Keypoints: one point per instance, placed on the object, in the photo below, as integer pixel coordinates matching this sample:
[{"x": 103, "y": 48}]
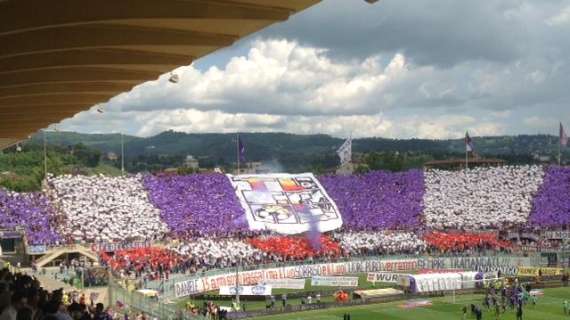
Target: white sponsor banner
[
  {"x": 334, "y": 281},
  {"x": 507, "y": 264},
  {"x": 259, "y": 290},
  {"x": 110, "y": 247},
  {"x": 556, "y": 234},
  {"x": 286, "y": 203},
  {"x": 286, "y": 283},
  {"x": 37, "y": 249},
  {"x": 386, "y": 277}
]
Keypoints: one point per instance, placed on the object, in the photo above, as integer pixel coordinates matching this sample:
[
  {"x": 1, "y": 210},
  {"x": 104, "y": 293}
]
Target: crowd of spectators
[
  {"x": 298, "y": 248},
  {"x": 150, "y": 263},
  {"x": 196, "y": 205},
  {"x": 480, "y": 198},
  {"x": 204, "y": 223},
  {"x": 22, "y": 298},
  {"x": 460, "y": 242},
  {"x": 378, "y": 243},
  {"x": 551, "y": 205},
  {"x": 31, "y": 211},
  {"x": 210, "y": 253},
  {"x": 104, "y": 209},
  {"x": 378, "y": 199},
  {"x": 202, "y": 254}
]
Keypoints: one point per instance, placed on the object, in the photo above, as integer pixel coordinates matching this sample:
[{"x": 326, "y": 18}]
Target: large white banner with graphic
[
  {"x": 508, "y": 265},
  {"x": 286, "y": 203}
]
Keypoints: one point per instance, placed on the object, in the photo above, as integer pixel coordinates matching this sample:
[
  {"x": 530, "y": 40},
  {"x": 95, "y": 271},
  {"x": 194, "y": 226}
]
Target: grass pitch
[{"x": 549, "y": 307}]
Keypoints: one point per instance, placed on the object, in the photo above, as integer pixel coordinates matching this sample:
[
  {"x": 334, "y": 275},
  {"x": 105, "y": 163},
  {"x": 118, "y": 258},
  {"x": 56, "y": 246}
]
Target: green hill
[{"x": 71, "y": 152}]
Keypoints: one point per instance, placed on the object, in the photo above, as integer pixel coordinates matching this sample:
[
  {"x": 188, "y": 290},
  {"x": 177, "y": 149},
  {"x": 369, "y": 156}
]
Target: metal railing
[{"x": 127, "y": 300}]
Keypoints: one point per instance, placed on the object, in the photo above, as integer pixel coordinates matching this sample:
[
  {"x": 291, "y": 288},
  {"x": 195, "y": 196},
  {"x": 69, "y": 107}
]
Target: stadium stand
[
  {"x": 100, "y": 208},
  {"x": 383, "y": 213},
  {"x": 378, "y": 200},
  {"x": 22, "y": 297},
  {"x": 196, "y": 204},
  {"x": 388, "y": 242},
  {"x": 208, "y": 253},
  {"x": 480, "y": 198},
  {"x": 551, "y": 205},
  {"x": 31, "y": 211}
]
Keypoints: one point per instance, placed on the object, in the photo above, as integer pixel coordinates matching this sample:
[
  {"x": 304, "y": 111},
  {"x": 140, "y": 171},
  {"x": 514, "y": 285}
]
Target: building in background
[{"x": 191, "y": 162}]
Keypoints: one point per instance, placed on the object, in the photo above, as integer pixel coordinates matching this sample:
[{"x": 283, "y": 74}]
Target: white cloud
[
  {"x": 277, "y": 77},
  {"x": 388, "y": 73},
  {"x": 539, "y": 122},
  {"x": 561, "y": 18},
  {"x": 284, "y": 86}
]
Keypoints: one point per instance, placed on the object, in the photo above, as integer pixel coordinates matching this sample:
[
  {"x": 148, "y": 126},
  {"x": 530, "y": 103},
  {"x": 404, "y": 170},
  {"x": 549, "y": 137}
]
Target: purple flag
[
  {"x": 563, "y": 136},
  {"x": 241, "y": 149}
]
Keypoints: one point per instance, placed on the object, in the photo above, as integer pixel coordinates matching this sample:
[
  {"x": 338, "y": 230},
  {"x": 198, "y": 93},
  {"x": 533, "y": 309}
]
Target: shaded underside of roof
[{"x": 60, "y": 57}]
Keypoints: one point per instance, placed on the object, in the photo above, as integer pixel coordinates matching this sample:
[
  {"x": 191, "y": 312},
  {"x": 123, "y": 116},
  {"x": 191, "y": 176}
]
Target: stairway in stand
[{"x": 56, "y": 252}]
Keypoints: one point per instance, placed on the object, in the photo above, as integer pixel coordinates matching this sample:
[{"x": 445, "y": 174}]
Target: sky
[{"x": 396, "y": 69}]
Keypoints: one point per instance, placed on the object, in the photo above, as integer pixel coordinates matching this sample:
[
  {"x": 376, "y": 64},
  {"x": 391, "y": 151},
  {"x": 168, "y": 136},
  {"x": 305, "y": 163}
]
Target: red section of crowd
[
  {"x": 142, "y": 259},
  {"x": 463, "y": 241},
  {"x": 297, "y": 247}
]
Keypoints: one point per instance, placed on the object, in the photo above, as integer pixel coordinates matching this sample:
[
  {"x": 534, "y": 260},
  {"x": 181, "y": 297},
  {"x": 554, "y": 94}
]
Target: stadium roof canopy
[{"x": 59, "y": 57}]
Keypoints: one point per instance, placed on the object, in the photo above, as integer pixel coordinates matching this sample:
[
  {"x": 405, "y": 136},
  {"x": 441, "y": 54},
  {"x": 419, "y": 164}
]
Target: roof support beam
[
  {"x": 73, "y": 87},
  {"x": 74, "y": 58},
  {"x": 45, "y": 108},
  {"x": 70, "y": 98},
  {"x": 73, "y": 12},
  {"x": 104, "y": 37},
  {"x": 75, "y": 74}
]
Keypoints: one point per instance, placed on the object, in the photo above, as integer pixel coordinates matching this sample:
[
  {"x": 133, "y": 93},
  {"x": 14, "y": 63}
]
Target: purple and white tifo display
[
  {"x": 217, "y": 204},
  {"x": 286, "y": 203}
]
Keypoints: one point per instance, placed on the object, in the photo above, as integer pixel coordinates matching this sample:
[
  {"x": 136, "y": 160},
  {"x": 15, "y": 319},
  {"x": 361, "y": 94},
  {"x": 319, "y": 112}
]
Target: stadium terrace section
[
  {"x": 196, "y": 204},
  {"x": 480, "y": 198},
  {"x": 148, "y": 207},
  {"x": 551, "y": 206},
  {"x": 220, "y": 253},
  {"x": 462, "y": 241},
  {"x": 292, "y": 248},
  {"x": 33, "y": 212},
  {"x": 104, "y": 209},
  {"x": 386, "y": 242},
  {"x": 378, "y": 200}
]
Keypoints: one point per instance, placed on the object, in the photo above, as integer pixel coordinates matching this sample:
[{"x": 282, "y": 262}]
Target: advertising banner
[
  {"x": 334, "y": 281},
  {"x": 508, "y": 265},
  {"x": 37, "y": 249},
  {"x": 286, "y": 283},
  {"x": 114, "y": 246},
  {"x": 386, "y": 277},
  {"x": 286, "y": 203},
  {"x": 556, "y": 234},
  {"x": 534, "y": 272},
  {"x": 259, "y": 290},
  {"x": 188, "y": 288}
]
